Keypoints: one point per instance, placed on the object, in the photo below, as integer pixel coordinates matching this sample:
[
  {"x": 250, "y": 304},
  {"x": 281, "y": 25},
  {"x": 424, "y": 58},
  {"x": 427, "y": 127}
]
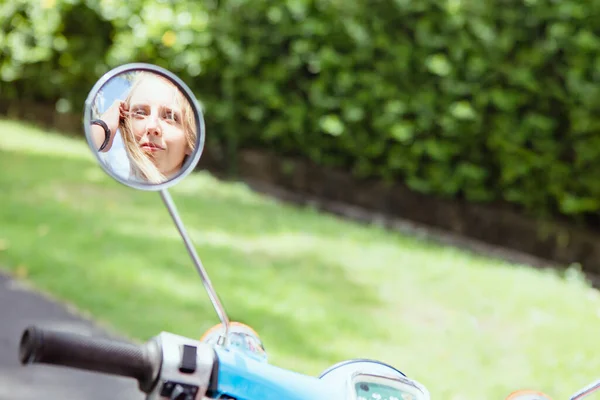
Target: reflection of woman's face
[{"x": 158, "y": 125}]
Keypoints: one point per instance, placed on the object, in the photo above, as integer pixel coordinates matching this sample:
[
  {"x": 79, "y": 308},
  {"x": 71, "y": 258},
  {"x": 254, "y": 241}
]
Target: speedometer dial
[
  {"x": 370, "y": 387},
  {"x": 373, "y": 380}
]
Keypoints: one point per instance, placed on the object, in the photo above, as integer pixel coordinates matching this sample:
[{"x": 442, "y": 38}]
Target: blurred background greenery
[
  {"x": 478, "y": 100},
  {"x": 483, "y": 101}
]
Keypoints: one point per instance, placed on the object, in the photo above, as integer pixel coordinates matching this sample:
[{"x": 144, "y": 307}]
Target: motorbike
[{"x": 146, "y": 130}]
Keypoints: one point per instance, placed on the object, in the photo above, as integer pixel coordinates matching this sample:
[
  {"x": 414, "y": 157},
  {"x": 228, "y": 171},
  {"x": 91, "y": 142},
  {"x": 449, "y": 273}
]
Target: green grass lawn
[{"x": 318, "y": 289}]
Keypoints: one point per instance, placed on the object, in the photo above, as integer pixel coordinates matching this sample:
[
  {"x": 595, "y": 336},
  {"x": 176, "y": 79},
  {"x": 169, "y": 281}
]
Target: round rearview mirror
[{"x": 144, "y": 125}]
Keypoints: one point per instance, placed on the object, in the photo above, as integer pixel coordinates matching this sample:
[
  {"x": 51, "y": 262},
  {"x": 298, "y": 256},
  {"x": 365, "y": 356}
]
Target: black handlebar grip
[{"x": 84, "y": 352}]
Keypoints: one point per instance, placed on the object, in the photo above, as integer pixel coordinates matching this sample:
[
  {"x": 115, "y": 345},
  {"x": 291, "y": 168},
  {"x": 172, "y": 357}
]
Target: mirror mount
[
  {"x": 168, "y": 200},
  {"x": 586, "y": 391}
]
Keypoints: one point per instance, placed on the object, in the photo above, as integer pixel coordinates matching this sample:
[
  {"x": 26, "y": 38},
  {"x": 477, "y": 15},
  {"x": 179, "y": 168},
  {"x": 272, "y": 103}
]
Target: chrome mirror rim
[{"x": 191, "y": 162}]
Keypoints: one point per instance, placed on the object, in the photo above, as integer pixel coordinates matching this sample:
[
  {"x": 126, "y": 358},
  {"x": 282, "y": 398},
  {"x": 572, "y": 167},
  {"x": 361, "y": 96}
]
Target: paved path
[{"x": 20, "y": 307}]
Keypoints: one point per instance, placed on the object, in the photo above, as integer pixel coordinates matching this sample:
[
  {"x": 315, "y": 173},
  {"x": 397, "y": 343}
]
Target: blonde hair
[{"x": 142, "y": 166}]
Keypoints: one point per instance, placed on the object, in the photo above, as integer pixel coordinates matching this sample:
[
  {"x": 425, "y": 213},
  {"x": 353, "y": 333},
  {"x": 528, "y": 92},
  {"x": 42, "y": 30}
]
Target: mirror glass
[{"x": 145, "y": 126}]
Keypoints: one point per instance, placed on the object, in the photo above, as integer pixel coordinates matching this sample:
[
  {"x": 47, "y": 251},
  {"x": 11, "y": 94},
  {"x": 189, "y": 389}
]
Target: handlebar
[
  {"x": 89, "y": 353},
  {"x": 173, "y": 366}
]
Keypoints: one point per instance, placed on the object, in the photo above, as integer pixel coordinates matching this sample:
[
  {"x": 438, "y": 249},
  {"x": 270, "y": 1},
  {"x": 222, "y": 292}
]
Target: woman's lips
[{"x": 150, "y": 147}]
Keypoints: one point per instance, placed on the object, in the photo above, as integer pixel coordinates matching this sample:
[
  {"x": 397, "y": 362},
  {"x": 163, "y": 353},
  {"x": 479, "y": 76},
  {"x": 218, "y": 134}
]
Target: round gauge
[
  {"x": 347, "y": 367},
  {"x": 374, "y": 380}
]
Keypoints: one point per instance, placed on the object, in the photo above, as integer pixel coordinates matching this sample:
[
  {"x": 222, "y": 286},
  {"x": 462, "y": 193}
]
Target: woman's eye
[
  {"x": 170, "y": 115},
  {"x": 139, "y": 112}
]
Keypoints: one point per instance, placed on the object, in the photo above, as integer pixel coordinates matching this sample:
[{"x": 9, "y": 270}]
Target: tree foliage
[{"x": 480, "y": 100}]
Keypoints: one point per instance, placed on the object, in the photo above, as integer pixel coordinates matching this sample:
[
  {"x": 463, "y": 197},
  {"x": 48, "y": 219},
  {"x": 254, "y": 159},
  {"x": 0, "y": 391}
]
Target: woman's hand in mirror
[{"x": 112, "y": 118}]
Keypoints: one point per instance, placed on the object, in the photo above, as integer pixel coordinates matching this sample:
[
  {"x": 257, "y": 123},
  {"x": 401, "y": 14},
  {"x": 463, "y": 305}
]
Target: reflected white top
[{"x": 116, "y": 158}]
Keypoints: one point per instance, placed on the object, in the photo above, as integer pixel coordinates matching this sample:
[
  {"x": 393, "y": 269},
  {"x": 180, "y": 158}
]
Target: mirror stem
[
  {"x": 168, "y": 200},
  {"x": 591, "y": 388}
]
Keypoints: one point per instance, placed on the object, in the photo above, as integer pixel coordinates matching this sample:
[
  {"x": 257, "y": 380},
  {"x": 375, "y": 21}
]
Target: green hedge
[{"x": 483, "y": 100}]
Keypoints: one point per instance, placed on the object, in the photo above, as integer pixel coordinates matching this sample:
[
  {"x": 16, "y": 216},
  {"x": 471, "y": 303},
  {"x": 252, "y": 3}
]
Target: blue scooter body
[{"x": 245, "y": 378}]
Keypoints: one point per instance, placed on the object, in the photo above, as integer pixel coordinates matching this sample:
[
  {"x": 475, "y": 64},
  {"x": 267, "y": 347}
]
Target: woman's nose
[{"x": 153, "y": 125}]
